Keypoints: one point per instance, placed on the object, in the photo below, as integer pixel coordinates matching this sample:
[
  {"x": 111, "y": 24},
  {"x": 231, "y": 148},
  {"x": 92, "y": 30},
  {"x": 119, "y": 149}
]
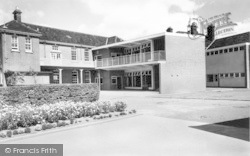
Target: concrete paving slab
[{"x": 143, "y": 135}]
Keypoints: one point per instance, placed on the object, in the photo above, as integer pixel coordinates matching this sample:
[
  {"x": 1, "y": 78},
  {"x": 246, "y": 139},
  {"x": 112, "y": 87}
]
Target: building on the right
[{"x": 227, "y": 62}]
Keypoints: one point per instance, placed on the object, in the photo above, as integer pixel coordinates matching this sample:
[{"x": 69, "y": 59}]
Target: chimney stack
[
  {"x": 170, "y": 29},
  {"x": 17, "y": 14}
]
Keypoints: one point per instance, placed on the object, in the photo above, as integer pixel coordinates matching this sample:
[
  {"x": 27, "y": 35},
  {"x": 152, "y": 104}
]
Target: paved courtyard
[{"x": 211, "y": 106}]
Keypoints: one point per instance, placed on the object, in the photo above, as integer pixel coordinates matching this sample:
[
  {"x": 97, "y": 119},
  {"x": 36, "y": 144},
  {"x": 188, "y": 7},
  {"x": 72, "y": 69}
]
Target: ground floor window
[
  {"x": 113, "y": 80},
  {"x": 138, "y": 79},
  {"x": 55, "y": 77},
  {"x": 147, "y": 78},
  {"x": 87, "y": 77},
  {"x": 210, "y": 78},
  {"x": 97, "y": 80},
  {"x": 74, "y": 77}
]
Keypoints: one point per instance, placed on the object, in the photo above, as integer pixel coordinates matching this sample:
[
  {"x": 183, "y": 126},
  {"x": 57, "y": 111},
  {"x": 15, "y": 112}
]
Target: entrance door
[{"x": 119, "y": 83}]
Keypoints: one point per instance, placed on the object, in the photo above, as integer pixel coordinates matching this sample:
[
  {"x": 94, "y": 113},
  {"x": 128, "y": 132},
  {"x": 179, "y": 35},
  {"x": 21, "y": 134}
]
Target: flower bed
[{"x": 17, "y": 119}]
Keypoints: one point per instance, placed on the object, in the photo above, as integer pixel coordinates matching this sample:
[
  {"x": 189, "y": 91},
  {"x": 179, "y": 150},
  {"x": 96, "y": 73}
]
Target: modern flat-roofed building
[
  {"x": 168, "y": 62},
  {"x": 227, "y": 61}
]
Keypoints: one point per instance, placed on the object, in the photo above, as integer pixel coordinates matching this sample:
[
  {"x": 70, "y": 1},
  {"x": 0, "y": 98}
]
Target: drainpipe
[{"x": 3, "y": 60}]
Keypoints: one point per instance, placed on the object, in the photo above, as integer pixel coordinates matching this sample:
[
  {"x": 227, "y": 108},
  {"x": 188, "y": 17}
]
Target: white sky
[{"x": 123, "y": 18}]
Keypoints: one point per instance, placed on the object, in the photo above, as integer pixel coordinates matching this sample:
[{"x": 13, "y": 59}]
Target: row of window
[
  {"x": 143, "y": 48},
  {"x": 224, "y": 51},
  {"x": 15, "y": 44},
  {"x": 56, "y": 54},
  {"x": 87, "y": 78},
  {"x": 134, "y": 79},
  {"x": 214, "y": 77}
]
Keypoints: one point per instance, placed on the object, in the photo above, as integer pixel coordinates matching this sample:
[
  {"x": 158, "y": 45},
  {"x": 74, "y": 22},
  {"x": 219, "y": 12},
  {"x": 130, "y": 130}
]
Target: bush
[
  {"x": 9, "y": 134},
  {"x": 134, "y": 111},
  {"x": 44, "y": 126},
  {"x": 120, "y": 106},
  {"x": 12, "y": 78},
  {"x": 123, "y": 113},
  {"x": 15, "y": 132},
  {"x": 38, "y": 127},
  {"x": 71, "y": 121},
  {"x": 61, "y": 124},
  {"x": 49, "y": 126},
  {"x": 27, "y": 130},
  {"x": 2, "y": 135},
  {"x": 54, "y": 125},
  {"x": 49, "y": 94},
  {"x": 21, "y": 131}
]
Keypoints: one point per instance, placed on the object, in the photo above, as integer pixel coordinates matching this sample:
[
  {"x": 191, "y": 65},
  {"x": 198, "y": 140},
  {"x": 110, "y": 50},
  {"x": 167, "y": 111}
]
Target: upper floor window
[
  {"x": 55, "y": 48},
  {"x": 146, "y": 47},
  {"x": 86, "y": 55},
  {"x": 73, "y": 53},
  {"x": 14, "y": 43},
  {"x": 56, "y": 56},
  {"x": 28, "y": 44}
]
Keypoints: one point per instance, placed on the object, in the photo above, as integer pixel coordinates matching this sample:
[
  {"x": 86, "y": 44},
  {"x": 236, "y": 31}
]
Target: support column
[
  {"x": 81, "y": 75},
  {"x": 60, "y": 76},
  {"x": 152, "y": 50},
  {"x": 247, "y": 66}
]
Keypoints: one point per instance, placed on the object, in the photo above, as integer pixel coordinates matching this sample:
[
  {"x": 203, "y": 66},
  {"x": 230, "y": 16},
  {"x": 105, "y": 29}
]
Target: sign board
[{"x": 223, "y": 24}]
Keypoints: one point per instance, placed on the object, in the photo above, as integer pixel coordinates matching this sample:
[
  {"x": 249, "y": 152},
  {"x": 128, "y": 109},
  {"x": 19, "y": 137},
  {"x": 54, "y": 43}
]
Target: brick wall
[{"x": 22, "y": 61}]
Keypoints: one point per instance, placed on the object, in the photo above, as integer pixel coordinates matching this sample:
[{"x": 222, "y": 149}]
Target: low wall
[{"x": 31, "y": 80}]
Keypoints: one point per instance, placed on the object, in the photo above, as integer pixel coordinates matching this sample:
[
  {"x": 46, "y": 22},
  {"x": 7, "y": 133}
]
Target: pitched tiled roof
[
  {"x": 231, "y": 40},
  {"x": 58, "y": 35},
  {"x": 18, "y": 26}
]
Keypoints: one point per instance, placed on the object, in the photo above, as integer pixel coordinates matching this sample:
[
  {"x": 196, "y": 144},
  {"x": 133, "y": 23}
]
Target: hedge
[{"x": 49, "y": 94}]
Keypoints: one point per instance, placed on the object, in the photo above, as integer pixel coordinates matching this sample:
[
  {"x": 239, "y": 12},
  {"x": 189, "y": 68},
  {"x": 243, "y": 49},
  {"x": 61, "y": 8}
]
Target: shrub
[
  {"x": 44, "y": 126},
  {"x": 9, "y": 134},
  {"x": 134, "y": 111},
  {"x": 27, "y": 130},
  {"x": 61, "y": 124},
  {"x": 12, "y": 78},
  {"x": 2, "y": 135},
  {"x": 120, "y": 106},
  {"x": 123, "y": 113},
  {"x": 71, "y": 121},
  {"x": 54, "y": 125},
  {"x": 15, "y": 132},
  {"x": 49, "y": 126},
  {"x": 49, "y": 94},
  {"x": 21, "y": 131},
  {"x": 110, "y": 115},
  {"x": 38, "y": 127}
]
